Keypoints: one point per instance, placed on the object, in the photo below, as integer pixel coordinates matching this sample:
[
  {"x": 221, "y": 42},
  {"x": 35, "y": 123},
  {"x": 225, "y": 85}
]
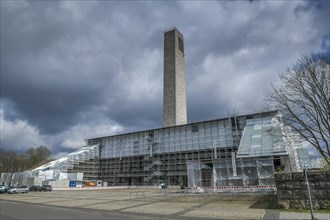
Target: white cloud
[
  {"x": 18, "y": 135},
  {"x": 74, "y": 137}
]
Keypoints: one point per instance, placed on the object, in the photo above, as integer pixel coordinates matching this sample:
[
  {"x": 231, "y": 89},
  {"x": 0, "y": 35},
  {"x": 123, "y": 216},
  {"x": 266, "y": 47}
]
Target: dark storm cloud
[
  {"x": 36, "y": 71},
  {"x": 66, "y": 63},
  {"x": 77, "y": 69}
]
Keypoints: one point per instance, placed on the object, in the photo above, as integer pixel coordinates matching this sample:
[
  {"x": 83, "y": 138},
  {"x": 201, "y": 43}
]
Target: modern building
[
  {"x": 238, "y": 150},
  {"x": 234, "y": 151}
]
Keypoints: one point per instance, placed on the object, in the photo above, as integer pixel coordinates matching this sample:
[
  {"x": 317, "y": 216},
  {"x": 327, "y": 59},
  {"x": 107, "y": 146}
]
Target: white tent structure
[{"x": 76, "y": 166}]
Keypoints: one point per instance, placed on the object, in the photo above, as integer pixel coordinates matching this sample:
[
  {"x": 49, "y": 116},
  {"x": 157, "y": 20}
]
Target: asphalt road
[
  {"x": 24, "y": 211},
  {"x": 170, "y": 204}
]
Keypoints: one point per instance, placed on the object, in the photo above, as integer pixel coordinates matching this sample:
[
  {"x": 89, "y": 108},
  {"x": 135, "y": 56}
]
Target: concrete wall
[{"x": 292, "y": 191}]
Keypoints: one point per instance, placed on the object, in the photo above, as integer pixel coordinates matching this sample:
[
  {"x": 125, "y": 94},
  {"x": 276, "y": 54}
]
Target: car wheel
[{"x": 14, "y": 192}]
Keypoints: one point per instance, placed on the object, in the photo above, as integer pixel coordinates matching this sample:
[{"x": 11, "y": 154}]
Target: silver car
[{"x": 19, "y": 189}]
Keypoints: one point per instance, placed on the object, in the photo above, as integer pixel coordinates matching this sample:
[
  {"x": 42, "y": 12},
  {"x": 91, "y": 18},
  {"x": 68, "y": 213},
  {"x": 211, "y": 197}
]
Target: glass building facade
[{"x": 238, "y": 150}]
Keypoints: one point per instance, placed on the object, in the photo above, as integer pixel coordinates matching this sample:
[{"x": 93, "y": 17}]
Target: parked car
[
  {"x": 46, "y": 188},
  {"x": 18, "y": 189},
  {"x": 3, "y": 189},
  {"x": 35, "y": 188}
]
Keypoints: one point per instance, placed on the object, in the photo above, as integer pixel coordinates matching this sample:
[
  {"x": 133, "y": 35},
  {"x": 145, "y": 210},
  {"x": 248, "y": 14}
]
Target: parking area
[{"x": 153, "y": 202}]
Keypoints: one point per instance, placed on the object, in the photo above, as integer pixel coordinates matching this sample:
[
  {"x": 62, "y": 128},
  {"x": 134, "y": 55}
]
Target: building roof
[
  {"x": 266, "y": 113},
  {"x": 78, "y": 155}
]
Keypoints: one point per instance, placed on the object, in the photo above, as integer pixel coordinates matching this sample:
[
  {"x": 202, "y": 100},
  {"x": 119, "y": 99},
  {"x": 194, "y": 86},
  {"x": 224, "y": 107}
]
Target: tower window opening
[{"x": 180, "y": 44}]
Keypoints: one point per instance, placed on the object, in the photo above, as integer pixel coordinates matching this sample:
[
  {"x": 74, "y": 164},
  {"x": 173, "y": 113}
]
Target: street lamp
[{"x": 309, "y": 192}]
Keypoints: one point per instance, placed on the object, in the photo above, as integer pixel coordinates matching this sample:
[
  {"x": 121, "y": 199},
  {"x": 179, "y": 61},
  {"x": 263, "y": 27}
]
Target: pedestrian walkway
[
  {"x": 303, "y": 216},
  {"x": 273, "y": 213}
]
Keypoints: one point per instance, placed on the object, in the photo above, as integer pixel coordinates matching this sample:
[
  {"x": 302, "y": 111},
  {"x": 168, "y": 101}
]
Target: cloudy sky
[{"x": 72, "y": 70}]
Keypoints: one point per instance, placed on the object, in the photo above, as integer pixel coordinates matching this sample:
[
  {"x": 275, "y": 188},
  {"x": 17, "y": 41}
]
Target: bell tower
[{"x": 174, "y": 100}]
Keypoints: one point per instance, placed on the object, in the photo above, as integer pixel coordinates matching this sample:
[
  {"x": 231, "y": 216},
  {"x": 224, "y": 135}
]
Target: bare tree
[
  {"x": 15, "y": 162},
  {"x": 38, "y": 156},
  {"x": 303, "y": 99}
]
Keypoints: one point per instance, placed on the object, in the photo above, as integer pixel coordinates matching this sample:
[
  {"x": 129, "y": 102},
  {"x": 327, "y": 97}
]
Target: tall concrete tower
[{"x": 174, "y": 100}]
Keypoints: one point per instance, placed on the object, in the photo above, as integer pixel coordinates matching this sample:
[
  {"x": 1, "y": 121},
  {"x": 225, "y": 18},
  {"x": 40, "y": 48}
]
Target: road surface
[{"x": 23, "y": 211}]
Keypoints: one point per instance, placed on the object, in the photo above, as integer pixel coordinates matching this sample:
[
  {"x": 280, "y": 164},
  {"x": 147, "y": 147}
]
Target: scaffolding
[
  {"x": 234, "y": 151},
  {"x": 82, "y": 164},
  {"x": 78, "y": 165},
  {"x": 14, "y": 179},
  {"x": 241, "y": 150}
]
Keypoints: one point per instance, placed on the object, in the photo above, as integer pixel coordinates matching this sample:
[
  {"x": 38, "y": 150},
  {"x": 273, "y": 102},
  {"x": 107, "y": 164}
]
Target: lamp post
[{"x": 309, "y": 192}]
